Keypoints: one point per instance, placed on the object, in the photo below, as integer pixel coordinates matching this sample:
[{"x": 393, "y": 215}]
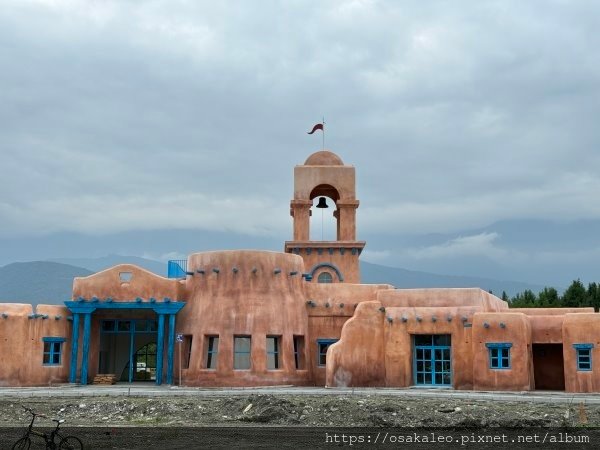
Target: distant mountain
[
  {"x": 51, "y": 282},
  {"x": 38, "y": 282},
  {"x": 402, "y": 278},
  {"x": 98, "y": 264}
]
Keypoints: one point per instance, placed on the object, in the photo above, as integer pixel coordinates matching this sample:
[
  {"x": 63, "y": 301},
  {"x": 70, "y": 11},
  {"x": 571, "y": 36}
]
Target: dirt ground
[{"x": 301, "y": 412}]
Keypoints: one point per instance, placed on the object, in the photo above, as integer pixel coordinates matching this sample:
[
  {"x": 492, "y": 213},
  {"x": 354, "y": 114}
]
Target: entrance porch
[{"x": 165, "y": 310}]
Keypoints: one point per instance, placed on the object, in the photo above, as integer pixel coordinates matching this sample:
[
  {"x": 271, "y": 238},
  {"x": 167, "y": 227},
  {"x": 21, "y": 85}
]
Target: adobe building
[{"x": 301, "y": 317}]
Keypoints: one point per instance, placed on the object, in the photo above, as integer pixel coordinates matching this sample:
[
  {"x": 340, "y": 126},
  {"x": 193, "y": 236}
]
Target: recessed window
[
  {"x": 52, "y": 351},
  {"x": 299, "y": 352},
  {"x": 584, "y": 356},
  {"x": 325, "y": 277},
  {"x": 273, "y": 356},
  {"x": 125, "y": 277},
  {"x": 322, "y": 346},
  {"x": 241, "y": 352},
  {"x": 187, "y": 350},
  {"x": 499, "y": 354},
  {"x": 212, "y": 350}
]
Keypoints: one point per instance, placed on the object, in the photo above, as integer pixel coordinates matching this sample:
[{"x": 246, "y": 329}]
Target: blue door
[{"x": 432, "y": 364}]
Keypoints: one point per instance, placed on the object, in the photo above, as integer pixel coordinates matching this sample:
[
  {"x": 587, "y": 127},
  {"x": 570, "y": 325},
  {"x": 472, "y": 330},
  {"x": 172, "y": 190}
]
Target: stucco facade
[{"x": 300, "y": 317}]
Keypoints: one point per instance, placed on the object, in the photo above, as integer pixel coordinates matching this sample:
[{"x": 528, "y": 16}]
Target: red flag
[{"x": 318, "y": 126}]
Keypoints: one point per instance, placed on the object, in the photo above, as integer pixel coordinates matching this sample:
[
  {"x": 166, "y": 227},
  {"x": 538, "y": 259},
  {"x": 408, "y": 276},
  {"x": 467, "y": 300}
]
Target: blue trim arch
[{"x": 328, "y": 265}]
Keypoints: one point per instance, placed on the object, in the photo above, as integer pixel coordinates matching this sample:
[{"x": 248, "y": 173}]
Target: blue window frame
[
  {"x": 499, "y": 354},
  {"x": 52, "y": 351},
  {"x": 129, "y": 326},
  {"x": 322, "y": 346},
  {"x": 584, "y": 356}
]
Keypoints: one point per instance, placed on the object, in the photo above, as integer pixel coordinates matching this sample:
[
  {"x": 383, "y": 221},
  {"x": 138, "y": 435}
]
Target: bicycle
[{"x": 65, "y": 443}]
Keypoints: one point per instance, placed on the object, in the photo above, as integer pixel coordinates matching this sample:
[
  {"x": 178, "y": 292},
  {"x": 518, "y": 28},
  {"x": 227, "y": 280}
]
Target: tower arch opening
[{"x": 324, "y": 216}]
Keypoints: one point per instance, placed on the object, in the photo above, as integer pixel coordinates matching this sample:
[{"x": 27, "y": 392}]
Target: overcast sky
[{"x": 123, "y": 116}]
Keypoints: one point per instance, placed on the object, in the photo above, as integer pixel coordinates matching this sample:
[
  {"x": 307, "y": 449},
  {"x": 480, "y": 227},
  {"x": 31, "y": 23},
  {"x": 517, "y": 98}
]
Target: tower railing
[{"x": 176, "y": 268}]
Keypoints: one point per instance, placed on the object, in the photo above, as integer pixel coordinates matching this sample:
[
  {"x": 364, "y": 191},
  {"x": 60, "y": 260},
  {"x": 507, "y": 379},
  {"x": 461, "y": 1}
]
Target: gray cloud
[{"x": 118, "y": 116}]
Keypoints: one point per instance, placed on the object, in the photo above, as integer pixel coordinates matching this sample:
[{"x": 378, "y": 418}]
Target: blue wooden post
[
  {"x": 160, "y": 348},
  {"x": 74, "y": 349},
  {"x": 171, "y": 349},
  {"x": 87, "y": 325},
  {"x": 131, "y": 349}
]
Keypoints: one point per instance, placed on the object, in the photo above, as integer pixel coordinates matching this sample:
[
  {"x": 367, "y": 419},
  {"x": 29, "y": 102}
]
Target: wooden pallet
[{"x": 105, "y": 378}]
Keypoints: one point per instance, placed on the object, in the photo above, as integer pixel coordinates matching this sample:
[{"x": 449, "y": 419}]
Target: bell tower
[{"x": 324, "y": 174}]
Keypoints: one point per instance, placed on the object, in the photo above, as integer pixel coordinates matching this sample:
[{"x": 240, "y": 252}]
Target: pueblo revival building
[{"x": 301, "y": 317}]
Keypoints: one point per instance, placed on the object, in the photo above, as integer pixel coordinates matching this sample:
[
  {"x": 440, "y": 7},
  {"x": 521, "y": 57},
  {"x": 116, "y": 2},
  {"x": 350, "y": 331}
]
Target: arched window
[{"x": 325, "y": 277}]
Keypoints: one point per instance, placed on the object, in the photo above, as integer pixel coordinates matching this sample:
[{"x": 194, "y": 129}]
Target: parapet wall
[
  {"x": 126, "y": 282},
  {"x": 454, "y": 297}
]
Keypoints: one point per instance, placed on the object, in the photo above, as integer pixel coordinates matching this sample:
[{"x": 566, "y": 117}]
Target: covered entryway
[
  {"x": 119, "y": 355},
  {"x": 548, "y": 367},
  {"x": 128, "y": 349},
  {"x": 432, "y": 360}
]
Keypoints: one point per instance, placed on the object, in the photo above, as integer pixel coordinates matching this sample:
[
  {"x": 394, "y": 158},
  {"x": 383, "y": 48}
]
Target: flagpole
[{"x": 323, "y": 132}]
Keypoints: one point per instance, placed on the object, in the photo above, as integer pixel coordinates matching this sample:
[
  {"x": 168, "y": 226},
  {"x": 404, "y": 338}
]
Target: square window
[
  {"x": 322, "y": 346},
  {"x": 241, "y": 352},
  {"x": 52, "y": 351},
  {"x": 499, "y": 355}
]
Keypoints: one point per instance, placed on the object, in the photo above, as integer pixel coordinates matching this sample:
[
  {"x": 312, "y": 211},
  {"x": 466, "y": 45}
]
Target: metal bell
[{"x": 322, "y": 203}]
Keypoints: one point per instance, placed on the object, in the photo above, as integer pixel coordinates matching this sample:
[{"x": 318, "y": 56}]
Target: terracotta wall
[
  {"x": 546, "y": 329},
  {"x": 254, "y": 293},
  {"x": 22, "y": 346},
  {"x": 375, "y": 330},
  {"x": 332, "y": 305},
  {"x": 409, "y": 321},
  {"x": 347, "y": 293},
  {"x": 347, "y": 264},
  {"x": 358, "y": 358},
  {"x": 506, "y": 327},
  {"x": 581, "y": 329},
  {"x": 306, "y": 178}
]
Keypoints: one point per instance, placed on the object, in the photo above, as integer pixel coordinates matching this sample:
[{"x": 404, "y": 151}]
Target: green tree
[
  {"x": 525, "y": 300},
  {"x": 575, "y": 295},
  {"x": 593, "y": 293},
  {"x": 529, "y": 298},
  {"x": 548, "y": 298}
]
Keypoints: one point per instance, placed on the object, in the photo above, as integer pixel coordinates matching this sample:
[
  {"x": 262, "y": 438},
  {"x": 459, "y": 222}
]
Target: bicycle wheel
[
  {"x": 70, "y": 443},
  {"x": 22, "y": 444}
]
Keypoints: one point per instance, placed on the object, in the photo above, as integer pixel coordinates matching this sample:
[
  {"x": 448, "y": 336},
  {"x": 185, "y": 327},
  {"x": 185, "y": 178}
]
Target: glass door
[{"x": 432, "y": 360}]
